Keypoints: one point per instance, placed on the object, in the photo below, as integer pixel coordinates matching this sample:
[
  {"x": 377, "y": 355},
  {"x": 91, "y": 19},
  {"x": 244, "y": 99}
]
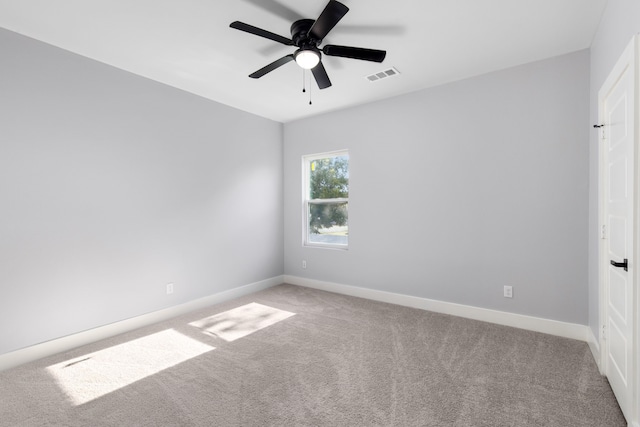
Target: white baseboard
[
  {"x": 594, "y": 346},
  {"x": 38, "y": 351},
  {"x": 552, "y": 327}
]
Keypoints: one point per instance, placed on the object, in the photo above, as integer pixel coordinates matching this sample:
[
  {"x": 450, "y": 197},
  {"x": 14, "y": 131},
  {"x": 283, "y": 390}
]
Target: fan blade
[
  {"x": 355, "y": 52},
  {"x": 321, "y": 76},
  {"x": 275, "y": 64},
  {"x": 260, "y": 32},
  {"x": 328, "y": 19}
]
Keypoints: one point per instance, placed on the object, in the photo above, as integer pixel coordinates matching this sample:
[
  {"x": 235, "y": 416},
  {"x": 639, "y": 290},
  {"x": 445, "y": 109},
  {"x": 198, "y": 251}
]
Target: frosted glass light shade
[{"x": 307, "y": 59}]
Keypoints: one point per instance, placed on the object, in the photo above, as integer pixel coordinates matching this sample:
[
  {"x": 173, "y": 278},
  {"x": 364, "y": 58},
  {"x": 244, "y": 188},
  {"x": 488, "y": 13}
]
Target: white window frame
[{"x": 306, "y": 166}]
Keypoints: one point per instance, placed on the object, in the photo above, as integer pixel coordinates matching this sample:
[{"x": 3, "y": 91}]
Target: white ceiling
[{"x": 188, "y": 43}]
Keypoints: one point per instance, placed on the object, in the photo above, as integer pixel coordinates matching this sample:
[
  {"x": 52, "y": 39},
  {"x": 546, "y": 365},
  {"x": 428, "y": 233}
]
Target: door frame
[{"x": 630, "y": 57}]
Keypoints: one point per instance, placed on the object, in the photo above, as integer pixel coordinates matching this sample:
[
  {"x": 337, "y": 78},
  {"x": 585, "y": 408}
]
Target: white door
[{"x": 617, "y": 110}]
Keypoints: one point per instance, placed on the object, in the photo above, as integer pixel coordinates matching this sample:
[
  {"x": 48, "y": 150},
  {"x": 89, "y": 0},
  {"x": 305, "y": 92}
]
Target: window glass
[{"x": 327, "y": 199}]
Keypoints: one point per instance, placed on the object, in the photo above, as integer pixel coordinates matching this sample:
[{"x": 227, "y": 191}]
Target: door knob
[{"x": 622, "y": 264}]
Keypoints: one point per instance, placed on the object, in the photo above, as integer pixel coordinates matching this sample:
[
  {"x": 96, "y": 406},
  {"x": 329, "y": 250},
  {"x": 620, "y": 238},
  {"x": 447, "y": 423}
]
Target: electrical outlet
[
  {"x": 304, "y": 263},
  {"x": 508, "y": 291},
  {"x": 169, "y": 288}
]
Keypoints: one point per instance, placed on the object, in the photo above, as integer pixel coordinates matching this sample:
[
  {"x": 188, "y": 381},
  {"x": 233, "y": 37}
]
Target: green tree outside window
[{"x": 328, "y": 180}]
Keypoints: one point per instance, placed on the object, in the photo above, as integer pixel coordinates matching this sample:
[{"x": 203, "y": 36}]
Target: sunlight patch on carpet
[
  {"x": 242, "y": 321},
  {"x": 93, "y": 375}
]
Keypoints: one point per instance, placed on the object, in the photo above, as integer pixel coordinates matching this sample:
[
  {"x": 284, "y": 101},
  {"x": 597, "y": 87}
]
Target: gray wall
[
  {"x": 112, "y": 185},
  {"x": 461, "y": 189},
  {"x": 620, "y": 22}
]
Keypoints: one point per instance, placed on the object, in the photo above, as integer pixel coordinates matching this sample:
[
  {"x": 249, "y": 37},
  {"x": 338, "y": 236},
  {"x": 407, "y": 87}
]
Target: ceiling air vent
[{"x": 383, "y": 74}]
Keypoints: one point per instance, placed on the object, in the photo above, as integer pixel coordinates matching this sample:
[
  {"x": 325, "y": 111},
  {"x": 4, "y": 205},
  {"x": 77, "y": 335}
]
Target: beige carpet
[{"x": 292, "y": 356}]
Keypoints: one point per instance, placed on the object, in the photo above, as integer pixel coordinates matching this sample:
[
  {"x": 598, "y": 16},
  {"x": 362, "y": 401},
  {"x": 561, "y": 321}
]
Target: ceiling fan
[{"x": 307, "y": 35}]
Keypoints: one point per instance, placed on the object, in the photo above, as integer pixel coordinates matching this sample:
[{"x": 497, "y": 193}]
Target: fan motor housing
[{"x": 299, "y": 33}]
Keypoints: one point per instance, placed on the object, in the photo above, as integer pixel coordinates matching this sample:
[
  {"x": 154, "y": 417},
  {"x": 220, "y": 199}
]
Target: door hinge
[
  {"x": 603, "y": 232},
  {"x": 603, "y": 332}
]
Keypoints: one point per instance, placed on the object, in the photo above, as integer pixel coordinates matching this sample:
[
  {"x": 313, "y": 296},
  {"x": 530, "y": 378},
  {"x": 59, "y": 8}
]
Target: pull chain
[
  {"x": 303, "y": 80},
  {"x": 304, "y": 84}
]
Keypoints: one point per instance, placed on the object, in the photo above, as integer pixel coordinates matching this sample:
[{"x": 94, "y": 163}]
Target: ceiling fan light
[{"x": 307, "y": 59}]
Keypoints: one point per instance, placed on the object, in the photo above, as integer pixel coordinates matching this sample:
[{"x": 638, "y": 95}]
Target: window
[{"x": 326, "y": 199}]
